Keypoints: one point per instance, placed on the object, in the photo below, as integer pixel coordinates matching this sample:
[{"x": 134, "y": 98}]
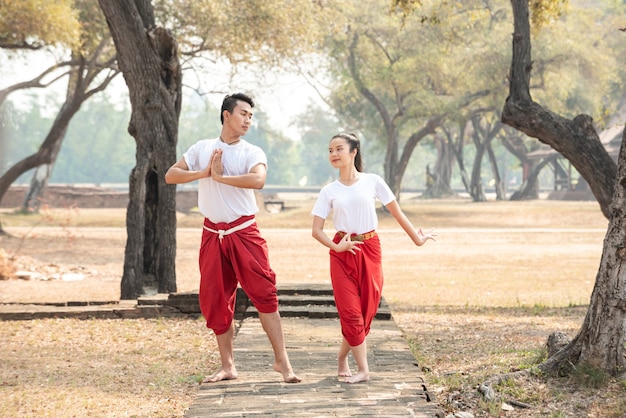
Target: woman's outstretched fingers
[
  {"x": 350, "y": 245},
  {"x": 425, "y": 237}
]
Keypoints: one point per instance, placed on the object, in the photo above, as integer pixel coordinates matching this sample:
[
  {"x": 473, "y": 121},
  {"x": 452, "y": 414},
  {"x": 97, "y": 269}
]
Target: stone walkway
[{"x": 396, "y": 387}]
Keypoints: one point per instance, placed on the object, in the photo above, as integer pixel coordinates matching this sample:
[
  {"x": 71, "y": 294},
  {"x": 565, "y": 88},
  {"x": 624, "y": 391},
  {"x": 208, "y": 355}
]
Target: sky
[{"x": 283, "y": 96}]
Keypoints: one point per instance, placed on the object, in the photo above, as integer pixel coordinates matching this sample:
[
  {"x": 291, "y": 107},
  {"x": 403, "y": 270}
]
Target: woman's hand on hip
[{"x": 345, "y": 244}]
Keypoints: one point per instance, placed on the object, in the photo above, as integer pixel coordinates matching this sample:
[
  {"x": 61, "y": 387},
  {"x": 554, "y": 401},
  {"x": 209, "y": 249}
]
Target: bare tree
[
  {"x": 600, "y": 341},
  {"x": 148, "y": 59},
  {"x": 576, "y": 139},
  {"x": 91, "y": 68},
  {"x": 38, "y": 81},
  {"x": 84, "y": 81}
]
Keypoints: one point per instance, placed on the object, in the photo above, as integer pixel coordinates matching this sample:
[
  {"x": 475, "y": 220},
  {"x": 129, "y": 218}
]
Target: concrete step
[
  {"x": 122, "y": 309},
  {"x": 314, "y": 301},
  {"x": 306, "y": 289},
  {"x": 298, "y": 311},
  {"x": 319, "y": 311},
  {"x": 305, "y": 300}
]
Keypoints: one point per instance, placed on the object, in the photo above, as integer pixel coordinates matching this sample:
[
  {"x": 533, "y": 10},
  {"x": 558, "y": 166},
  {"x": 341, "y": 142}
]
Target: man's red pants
[{"x": 240, "y": 257}]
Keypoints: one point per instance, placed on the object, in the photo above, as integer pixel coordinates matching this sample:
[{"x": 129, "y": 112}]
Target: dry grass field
[{"x": 479, "y": 301}]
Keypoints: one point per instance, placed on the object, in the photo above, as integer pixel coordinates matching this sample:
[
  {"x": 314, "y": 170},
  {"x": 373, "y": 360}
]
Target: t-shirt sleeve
[
  {"x": 322, "y": 205},
  {"x": 256, "y": 156},
  {"x": 383, "y": 191},
  {"x": 192, "y": 157}
]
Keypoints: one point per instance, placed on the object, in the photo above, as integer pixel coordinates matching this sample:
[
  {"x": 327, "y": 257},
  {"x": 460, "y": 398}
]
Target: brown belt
[{"x": 360, "y": 237}]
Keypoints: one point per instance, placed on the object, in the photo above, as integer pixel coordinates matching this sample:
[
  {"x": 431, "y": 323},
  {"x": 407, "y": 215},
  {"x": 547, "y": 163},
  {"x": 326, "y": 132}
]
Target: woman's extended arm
[{"x": 416, "y": 235}]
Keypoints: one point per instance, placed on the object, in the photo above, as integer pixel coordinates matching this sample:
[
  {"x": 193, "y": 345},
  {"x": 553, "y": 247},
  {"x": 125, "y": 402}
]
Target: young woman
[{"x": 355, "y": 255}]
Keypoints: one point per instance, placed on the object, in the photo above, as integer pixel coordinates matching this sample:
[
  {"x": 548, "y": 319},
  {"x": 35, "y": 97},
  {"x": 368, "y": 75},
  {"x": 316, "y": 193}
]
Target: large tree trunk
[
  {"x": 600, "y": 341},
  {"x": 148, "y": 58},
  {"x": 576, "y": 139}
]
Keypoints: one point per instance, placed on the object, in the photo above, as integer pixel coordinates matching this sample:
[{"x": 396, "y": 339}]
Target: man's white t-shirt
[
  {"x": 354, "y": 207},
  {"x": 221, "y": 202}
]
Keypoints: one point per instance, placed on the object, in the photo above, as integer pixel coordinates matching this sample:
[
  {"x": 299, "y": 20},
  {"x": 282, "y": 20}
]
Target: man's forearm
[
  {"x": 177, "y": 175},
  {"x": 245, "y": 181}
]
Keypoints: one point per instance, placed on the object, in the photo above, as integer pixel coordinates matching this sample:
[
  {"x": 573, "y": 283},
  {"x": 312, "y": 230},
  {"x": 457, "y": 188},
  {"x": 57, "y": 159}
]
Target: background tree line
[
  {"x": 426, "y": 123},
  {"x": 427, "y": 76},
  {"x": 401, "y": 73},
  {"x": 98, "y": 149}
]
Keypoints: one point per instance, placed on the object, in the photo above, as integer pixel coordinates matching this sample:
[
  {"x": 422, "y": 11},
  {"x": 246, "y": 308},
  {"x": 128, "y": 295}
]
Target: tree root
[
  {"x": 562, "y": 359},
  {"x": 486, "y": 388}
]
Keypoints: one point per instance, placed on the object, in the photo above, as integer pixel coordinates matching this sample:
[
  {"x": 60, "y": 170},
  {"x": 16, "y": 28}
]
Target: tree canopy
[{"x": 33, "y": 24}]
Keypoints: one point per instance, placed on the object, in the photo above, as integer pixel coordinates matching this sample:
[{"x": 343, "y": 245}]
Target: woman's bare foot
[
  {"x": 221, "y": 375},
  {"x": 360, "y": 376},
  {"x": 288, "y": 375},
  {"x": 344, "y": 368}
]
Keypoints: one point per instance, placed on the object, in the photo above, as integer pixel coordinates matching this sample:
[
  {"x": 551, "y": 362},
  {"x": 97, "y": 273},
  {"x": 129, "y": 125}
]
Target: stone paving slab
[{"x": 396, "y": 386}]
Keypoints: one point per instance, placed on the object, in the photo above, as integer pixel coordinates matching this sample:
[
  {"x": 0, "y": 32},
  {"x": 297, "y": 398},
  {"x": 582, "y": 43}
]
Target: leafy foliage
[
  {"x": 256, "y": 30},
  {"x": 33, "y": 24},
  {"x": 572, "y": 71},
  {"x": 542, "y": 12}
]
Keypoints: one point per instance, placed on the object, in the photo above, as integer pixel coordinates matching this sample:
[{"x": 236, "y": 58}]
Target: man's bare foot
[
  {"x": 288, "y": 375},
  {"x": 221, "y": 375},
  {"x": 344, "y": 368},
  {"x": 358, "y": 377}
]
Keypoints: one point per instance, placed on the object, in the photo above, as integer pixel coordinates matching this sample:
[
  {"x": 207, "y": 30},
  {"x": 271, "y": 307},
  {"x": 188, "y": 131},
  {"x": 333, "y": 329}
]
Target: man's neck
[{"x": 231, "y": 140}]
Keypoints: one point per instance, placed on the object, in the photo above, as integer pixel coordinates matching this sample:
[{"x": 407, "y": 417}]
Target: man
[{"x": 232, "y": 251}]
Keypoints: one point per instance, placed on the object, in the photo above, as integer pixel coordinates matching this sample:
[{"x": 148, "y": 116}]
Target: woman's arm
[
  {"x": 416, "y": 235},
  {"x": 344, "y": 245}
]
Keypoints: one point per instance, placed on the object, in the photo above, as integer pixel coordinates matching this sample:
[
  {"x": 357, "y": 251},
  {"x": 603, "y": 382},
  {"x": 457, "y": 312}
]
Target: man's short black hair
[{"x": 230, "y": 102}]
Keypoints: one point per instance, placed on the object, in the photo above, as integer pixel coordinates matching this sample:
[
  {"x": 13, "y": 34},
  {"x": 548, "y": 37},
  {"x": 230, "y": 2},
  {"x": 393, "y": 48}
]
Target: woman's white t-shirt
[
  {"x": 217, "y": 201},
  {"x": 354, "y": 206}
]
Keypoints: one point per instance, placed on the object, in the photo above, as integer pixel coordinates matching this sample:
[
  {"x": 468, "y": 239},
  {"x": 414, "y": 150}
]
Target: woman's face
[{"x": 339, "y": 153}]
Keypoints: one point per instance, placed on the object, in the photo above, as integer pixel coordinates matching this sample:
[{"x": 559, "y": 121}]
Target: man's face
[{"x": 240, "y": 120}]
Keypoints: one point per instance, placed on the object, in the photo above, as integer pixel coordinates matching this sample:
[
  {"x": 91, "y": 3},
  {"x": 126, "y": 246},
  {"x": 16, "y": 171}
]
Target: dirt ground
[
  {"x": 552, "y": 248},
  {"x": 480, "y": 301}
]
